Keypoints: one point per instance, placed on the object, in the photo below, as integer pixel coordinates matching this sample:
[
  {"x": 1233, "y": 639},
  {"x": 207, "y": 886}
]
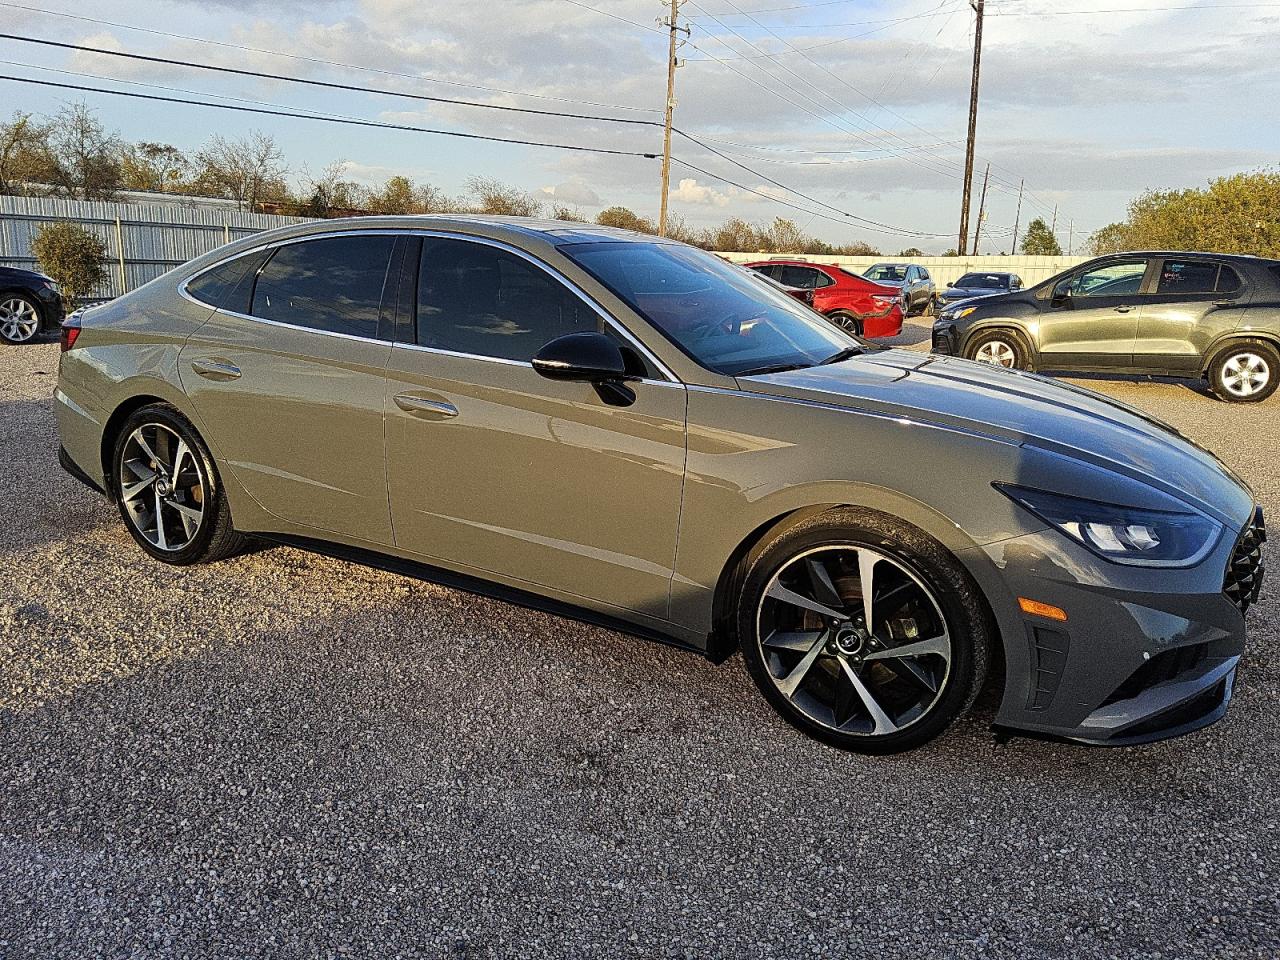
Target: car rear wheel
[
  {"x": 999, "y": 348},
  {"x": 19, "y": 318},
  {"x": 168, "y": 490},
  {"x": 846, "y": 321},
  {"x": 862, "y": 631},
  {"x": 1245, "y": 372}
]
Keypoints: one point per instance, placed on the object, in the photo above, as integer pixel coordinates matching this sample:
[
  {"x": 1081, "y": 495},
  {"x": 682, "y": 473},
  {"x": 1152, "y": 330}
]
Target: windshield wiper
[
  {"x": 771, "y": 368},
  {"x": 844, "y": 354}
]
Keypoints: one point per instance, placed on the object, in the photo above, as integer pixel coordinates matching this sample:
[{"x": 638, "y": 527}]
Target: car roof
[
  {"x": 1241, "y": 257},
  {"x": 553, "y": 231}
]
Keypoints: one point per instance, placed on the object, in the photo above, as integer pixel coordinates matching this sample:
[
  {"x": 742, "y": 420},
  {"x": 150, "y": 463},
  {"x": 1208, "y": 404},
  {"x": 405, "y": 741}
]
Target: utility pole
[
  {"x": 673, "y": 26},
  {"x": 973, "y": 127},
  {"x": 982, "y": 211},
  {"x": 1071, "y": 237},
  {"x": 1017, "y": 221}
]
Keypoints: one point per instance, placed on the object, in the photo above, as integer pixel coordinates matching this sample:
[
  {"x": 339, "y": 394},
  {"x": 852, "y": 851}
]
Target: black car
[
  {"x": 1196, "y": 315},
  {"x": 29, "y": 304},
  {"x": 984, "y": 284}
]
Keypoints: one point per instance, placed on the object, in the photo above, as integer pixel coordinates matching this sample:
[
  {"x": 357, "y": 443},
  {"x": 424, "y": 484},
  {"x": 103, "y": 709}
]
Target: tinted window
[
  {"x": 984, "y": 281},
  {"x": 805, "y": 277},
  {"x": 227, "y": 285},
  {"x": 334, "y": 284},
  {"x": 894, "y": 274},
  {"x": 924, "y": 274},
  {"x": 1228, "y": 280},
  {"x": 1187, "y": 276},
  {"x": 478, "y": 299},
  {"x": 719, "y": 317},
  {"x": 771, "y": 270},
  {"x": 1111, "y": 280}
]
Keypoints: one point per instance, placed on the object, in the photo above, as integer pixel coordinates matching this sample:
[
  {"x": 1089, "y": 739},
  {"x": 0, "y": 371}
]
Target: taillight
[{"x": 70, "y": 332}]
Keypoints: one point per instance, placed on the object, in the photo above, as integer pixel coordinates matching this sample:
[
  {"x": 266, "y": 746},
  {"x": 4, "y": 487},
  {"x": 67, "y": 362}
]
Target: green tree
[
  {"x": 159, "y": 167},
  {"x": 912, "y": 252},
  {"x": 625, "y": 219},
  {"x": 1236, "y": 214},
  {"x": 25, "y": 159},
  {"x": 75, "y": 258},
  {"x": 1039, "y": 240}
]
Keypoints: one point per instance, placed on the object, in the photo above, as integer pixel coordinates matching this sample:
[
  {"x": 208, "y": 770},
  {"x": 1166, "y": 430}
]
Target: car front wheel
[
  {"x": 168, "y": 490},
  {"x": 1245, "y": 372},
  {"x": 862, "y": 631},
  {"x": 999, "y": 348}
]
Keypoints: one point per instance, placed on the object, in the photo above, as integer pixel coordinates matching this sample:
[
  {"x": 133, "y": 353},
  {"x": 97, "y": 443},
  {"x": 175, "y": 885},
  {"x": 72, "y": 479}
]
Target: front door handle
[
  {"x": 1123, "y": 309},
  {"x": 426, "y": 409},
  {"x": 216, "y": 369}
]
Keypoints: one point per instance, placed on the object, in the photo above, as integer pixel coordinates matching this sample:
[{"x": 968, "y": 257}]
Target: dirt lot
[{"x": 287, "y": 756}]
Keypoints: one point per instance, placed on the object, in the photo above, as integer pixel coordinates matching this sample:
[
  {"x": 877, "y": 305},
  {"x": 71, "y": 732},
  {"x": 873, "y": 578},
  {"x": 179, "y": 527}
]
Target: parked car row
[
  {"x": 1196, "y": 315},
  {"x": 850, "y": 301}
]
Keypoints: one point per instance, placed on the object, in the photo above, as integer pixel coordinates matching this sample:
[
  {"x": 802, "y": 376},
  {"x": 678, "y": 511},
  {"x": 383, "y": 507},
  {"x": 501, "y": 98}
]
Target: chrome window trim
[
  {"x": 517, "y": 363},
  {"x": 582, "y": 295}
]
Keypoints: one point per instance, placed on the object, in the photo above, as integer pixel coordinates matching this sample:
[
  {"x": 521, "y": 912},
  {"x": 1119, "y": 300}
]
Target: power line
[
  {"x": 327, "y": 84},
  {"x": 331, "y": 119},
  {"x": 330, "y": 63}
]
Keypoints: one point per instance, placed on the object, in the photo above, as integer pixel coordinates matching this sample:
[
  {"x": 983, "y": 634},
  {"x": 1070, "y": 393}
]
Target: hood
[
  {"x": 1027, "y": 409},
  {"x": 18, "y": 273},
  {"x": 963, "y": 293}
]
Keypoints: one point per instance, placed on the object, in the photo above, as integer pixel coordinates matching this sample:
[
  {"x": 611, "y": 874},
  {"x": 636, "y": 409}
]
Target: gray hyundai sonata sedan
[{"x": 632, "y": 432}]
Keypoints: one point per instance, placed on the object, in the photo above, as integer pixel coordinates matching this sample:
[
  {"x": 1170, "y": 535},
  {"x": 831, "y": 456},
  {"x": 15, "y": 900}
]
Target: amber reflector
[{"x": 1042, "y": 609}]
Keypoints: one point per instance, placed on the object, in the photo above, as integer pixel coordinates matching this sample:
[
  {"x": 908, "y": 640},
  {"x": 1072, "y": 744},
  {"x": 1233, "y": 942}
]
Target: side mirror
[
  {"x": 591, "y": 358},
  {"x": 1061, "y": 293}
]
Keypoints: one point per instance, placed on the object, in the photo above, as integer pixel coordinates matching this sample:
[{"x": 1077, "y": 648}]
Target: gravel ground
[{"x": 288, "y": 756}]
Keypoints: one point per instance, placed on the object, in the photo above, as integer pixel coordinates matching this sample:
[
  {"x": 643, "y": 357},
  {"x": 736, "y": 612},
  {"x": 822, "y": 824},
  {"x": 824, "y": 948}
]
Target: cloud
[
  {"x": 575, "y": 191},
  {"x": 690, "y": 191}
]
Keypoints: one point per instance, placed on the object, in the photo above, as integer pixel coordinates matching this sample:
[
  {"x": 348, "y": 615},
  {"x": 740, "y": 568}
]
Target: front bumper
[
  {"x": 945, "y": 341},
  {"x": 52, "y": 309},
  {"x": 1145, "y": 654}
]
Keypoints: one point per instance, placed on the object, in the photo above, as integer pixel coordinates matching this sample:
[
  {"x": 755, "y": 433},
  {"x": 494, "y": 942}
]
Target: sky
[{"x": 854, "y": 111}]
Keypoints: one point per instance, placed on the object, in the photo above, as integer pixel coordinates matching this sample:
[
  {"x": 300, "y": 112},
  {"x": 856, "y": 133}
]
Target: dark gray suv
[{"x": 1196, "y": 315}]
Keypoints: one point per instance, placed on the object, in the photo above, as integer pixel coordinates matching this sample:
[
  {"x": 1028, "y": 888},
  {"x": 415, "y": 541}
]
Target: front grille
[{"x": 1243, "y": 580}]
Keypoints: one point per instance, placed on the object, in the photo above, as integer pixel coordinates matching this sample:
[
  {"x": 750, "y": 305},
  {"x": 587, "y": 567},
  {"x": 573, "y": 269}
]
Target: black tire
[
  {"x": 1000, "y": 340},
  {"x": 1238, "y": 367},
  {"x": 846, "y": 321},
  {"x": 214, "y": 537},
  {"x": 11, "y": 333},
  {"x": 954, "y": 593}
]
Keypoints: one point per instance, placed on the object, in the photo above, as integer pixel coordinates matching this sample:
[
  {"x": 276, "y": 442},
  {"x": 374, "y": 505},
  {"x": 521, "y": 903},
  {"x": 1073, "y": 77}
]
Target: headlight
[
  {"x": 957, "y": 314},
  {"x": 1157, "y": 538}
]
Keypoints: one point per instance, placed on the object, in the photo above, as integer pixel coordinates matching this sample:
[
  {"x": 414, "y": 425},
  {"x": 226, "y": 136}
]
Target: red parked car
[{"x": 849, "y": 301}]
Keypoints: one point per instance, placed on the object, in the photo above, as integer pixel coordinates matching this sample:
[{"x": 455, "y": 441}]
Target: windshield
[
  {"x": 720, "y": 316},
  {"x": 894, "y": 273},
  {"x": 983, "y": 281}
]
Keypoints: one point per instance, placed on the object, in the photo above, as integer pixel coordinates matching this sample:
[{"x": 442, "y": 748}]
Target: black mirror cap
[{"x": 593, "y": 357}]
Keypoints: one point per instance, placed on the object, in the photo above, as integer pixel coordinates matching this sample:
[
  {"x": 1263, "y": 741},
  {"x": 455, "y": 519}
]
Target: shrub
[{"x": 73, "y": 257}]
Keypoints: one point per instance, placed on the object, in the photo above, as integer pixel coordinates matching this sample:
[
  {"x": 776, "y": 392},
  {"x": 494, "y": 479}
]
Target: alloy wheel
[
  {"x": 996, "y": 352},
  {"x": 162, "y": 486},
  {"x": 18, "y": 320},
  {"x": 1245, "y": 374},
  {"x": 855, "y": 640}
]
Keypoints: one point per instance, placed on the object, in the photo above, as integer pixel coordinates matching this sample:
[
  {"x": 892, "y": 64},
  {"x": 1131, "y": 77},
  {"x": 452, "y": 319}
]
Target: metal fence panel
[{"x": 143, "y": 240}]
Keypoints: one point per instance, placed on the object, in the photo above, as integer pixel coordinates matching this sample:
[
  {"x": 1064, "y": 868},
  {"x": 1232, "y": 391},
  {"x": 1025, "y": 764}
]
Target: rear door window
[
  {"x": 332, "y": 284},
  {"x": 1188, "y": 276},
  {"x": 804, "y": 277}
]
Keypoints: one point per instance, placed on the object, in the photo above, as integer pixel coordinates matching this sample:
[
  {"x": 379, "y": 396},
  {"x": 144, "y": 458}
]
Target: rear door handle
[
  {"x": 216, "y": 369},
  {"x": 426, "y": 409},
  {"x": 1123, "y": 309}
]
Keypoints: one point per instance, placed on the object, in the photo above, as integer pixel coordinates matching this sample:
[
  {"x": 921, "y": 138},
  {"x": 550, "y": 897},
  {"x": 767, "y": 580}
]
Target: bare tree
[
  {"x": 494, "y": 196},
  {"x": 85, "y": 158},
  {"x": 247, "y": 171},
  {"x": 24, "y": 153}
]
